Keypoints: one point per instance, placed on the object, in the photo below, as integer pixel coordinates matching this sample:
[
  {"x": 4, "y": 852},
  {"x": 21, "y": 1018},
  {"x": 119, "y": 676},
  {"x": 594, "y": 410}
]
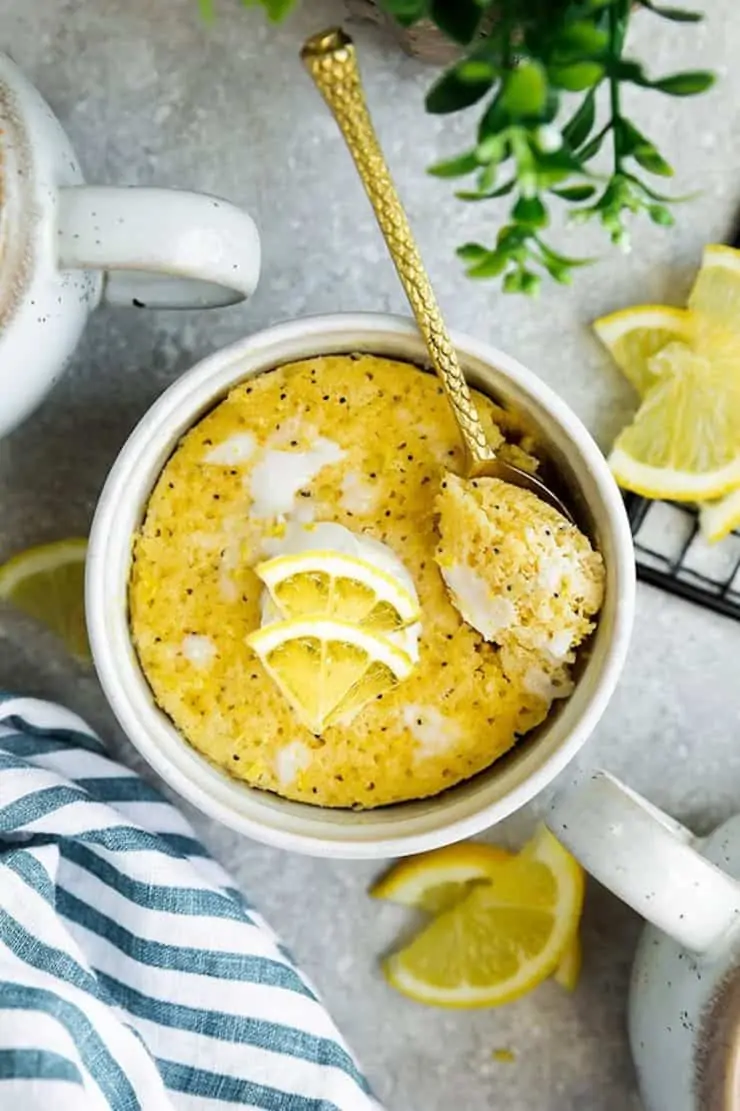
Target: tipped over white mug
[
  {"x": 684, "y": 1006},
  {"x": 66, "y": 246},
  {"x": 405, "y": 827}
]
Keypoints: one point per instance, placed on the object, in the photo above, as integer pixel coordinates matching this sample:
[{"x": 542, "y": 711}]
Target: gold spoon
[{"x": 330, "y": 59}]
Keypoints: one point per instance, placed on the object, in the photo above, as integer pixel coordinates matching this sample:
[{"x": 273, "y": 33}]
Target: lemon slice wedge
[
  {"x": 568, "y": 972},
  {"x": 327, "y": 669},
  {"x": 338, "y": 586},
  {"x": 717, "y": 519},
  {"x": 684, "y": 442},
  {"x": 716, "y": 291},
  {"x": 503, "y": 938},
  {"x": 632, "y": 336},
  {"x": 48, "y": 584},
  {"x": 435, "y": 881}
]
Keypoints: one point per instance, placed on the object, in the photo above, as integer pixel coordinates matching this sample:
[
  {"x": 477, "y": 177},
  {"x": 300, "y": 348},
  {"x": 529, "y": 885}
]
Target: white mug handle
[
  {"x": 646, "y": 858},
  {"x": 159, "y": 248}
]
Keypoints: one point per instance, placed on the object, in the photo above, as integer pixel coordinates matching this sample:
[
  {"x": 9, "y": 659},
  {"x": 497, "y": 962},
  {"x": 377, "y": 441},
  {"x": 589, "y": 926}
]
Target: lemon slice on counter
[
  {"x": 568, "y": 972},
  {"x": 338, "y": 586},
  {"x": 435, "y": 881},
  {"x": 48, "y": 584},
  {"x": 501, "y": 940},
  {"x": 716, "y": 291},
  {"x": 684, "y": 442},
  {"x": 328, "y": 669},
  {"x": 633, "y": 336},
  {"x": 717, "y": 519}
]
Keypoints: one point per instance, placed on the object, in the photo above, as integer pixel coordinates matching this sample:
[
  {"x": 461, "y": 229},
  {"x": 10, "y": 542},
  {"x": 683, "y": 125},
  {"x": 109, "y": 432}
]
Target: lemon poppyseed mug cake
[{"x": 315, "y": 631}]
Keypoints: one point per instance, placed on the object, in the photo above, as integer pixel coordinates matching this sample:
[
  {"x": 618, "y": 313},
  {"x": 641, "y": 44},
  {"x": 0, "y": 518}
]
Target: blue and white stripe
[{"x": 132, "y": 975}]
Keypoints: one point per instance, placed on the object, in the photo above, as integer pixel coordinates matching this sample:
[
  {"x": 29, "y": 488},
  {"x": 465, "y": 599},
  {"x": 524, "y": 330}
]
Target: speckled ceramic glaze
[
  {"x": 65, "y": 246},
  {"x": 684, "y": 1007}
]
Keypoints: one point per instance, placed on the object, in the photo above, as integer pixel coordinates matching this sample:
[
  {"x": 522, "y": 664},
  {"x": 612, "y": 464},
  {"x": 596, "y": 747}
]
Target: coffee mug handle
[
  {"x": 159, "y": 248},
  {"x": 647, "y": 859}
]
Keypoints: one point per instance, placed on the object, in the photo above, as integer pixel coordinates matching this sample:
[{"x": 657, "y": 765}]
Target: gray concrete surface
[{"x": 150, "y": 95}]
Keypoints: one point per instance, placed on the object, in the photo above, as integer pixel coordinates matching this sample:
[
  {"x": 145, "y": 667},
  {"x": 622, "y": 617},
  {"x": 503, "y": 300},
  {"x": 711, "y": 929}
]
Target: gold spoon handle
[{"x": 330, "y": 59}]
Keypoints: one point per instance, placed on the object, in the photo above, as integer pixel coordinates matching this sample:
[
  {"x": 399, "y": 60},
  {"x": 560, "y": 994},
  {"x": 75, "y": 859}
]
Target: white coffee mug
[
  {"x": 684, "y": 1006},
  {"x": 66, "y": 246},
  {"x": 391, "y": 830}
]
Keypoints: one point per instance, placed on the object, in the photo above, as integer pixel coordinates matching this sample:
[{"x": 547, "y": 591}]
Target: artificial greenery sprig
[{"x": 520, "y": 57}]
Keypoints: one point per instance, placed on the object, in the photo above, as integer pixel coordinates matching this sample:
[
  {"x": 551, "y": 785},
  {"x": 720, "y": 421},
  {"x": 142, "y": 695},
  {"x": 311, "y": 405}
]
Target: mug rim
[
  {"x": 419, "y": 825},
  {"x": 18, "y": 176}
]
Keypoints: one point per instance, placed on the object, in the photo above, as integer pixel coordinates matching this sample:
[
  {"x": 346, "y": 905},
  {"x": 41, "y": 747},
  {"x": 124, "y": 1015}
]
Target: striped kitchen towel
[{"x": 132, "y": 974}]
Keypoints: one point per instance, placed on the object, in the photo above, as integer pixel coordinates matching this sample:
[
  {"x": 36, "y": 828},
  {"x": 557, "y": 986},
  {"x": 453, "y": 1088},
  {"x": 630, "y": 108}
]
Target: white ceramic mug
[
  {"x": 684, "y": 1008},
  {"x": 66, "y": 246},
  {"x": 392, "y": 830}
]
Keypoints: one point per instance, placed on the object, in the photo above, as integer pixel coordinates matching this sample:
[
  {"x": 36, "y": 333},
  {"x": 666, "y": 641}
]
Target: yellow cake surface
[
  {"x": 527, "y": 578},
  {"x": 384, "y": 436}
]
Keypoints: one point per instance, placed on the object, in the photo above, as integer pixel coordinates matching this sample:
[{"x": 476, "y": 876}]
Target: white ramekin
[{"x": 403, "y": 828}]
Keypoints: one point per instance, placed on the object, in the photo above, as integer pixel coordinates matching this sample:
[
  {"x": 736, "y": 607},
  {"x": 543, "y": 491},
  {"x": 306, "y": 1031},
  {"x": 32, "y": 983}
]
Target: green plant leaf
[
  {"x": 513, "y": 282},
  {"x": 579, "y": 126},
  {"x": 473, "y": 70},
  {"x": 577, "y": 76},
  {"x": 451, "y": 93},
  {"x": 682, "y": 198},
  {"x": 525, "y": 90},
  {"x": 530, "y": 211},
  {"x": 592, "y": 148},
  {"x": 633, "y": 142},
  {"x": 622, "y": 70},
  {"x": 577, "y": 39},
  {"x": 207, "y": 10},
  {"x": 458, "y": 19},
  {"x": 652, "y": 160},
  {"x": 531, "y": 283},
  {"x": 557, "y": 271},
  {"x": 629, "y": 137},
  {"x": 561, "y": 260},
  {"x": 455, "y": 167},
  {"x": 469, "y": 195},
  {"x": 659, "y": 214},
  {"x": 405, "y": 12},
  {"x": 575, "y": 193},
  {"x": 512, "y": 237},
  {"x": 472, "y": 252},
  {"x": 276, "y": 10},
  {"x": 495, "y": 148},
  {"x": 684, "y": 84},
  {"x": 489, "y": 267},
  {"x": 677, "y": 15},
  {"x": 487, "y": 178},
  {"x": 494, "y": 120},
  {"x": 555, "y": 166}
]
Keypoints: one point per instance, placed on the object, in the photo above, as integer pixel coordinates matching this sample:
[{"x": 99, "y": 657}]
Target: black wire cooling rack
[{"x": 671, "y": 553}]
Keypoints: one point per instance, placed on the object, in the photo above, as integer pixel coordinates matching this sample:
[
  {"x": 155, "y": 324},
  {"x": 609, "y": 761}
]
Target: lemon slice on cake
[
  {"x": 328, "y": 669},
  {"x": 48, "y": 584},
  {"x": 632, "y": 336},
  {"x": 503, "y": 938},
  {"x": 338, "y": 586}
]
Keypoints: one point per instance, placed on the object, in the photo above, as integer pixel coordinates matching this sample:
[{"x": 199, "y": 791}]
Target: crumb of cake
[
  {"x": 524, "y": 577},
  {"x": 193, "y": 577}
]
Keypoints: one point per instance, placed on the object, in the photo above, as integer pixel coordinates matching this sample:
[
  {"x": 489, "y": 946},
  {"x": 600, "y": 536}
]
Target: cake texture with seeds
[
  {"x": 364, "y": 442},
  {"x": 521, "y": 574}
]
